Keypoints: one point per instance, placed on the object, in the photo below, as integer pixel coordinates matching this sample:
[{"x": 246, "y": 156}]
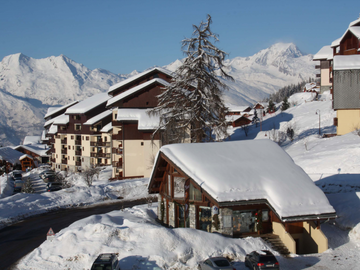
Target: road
[{"x": 21, "y": 238}]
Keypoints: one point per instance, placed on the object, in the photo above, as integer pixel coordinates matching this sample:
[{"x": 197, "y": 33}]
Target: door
[{"x": 180, "y": 216}]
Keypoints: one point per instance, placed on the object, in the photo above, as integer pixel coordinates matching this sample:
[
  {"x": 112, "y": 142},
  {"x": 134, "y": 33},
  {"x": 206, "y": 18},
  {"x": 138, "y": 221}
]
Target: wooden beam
[{"x": 158, "y": 179}]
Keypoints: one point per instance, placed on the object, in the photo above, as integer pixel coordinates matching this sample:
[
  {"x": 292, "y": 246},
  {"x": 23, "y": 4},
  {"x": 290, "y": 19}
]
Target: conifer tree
[
  {"x": 192, "y": 103},
  {"x": 285, "y": 104},
  {"x": 271, "y": 107}
]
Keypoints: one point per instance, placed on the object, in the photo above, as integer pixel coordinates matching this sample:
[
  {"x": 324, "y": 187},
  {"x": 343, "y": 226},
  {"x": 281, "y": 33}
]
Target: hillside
[
  {"x": 29, "y": 86},
  {"x": 142, "y": 243}
]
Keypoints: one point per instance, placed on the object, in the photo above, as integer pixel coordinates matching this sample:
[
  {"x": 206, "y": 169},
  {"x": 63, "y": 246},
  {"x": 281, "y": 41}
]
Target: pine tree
[
  {"x": 271, "y": 107},
  {"x": 255, "y": 118},
  {"x": 192, "y": 103},
  {"x": 285, "y": 104}
]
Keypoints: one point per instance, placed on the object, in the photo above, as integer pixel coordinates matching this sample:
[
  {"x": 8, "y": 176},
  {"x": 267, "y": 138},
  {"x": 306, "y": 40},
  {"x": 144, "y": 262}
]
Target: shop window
[
  {"x": 205, "y": 218},
  {"x": 265, "y": 215}
]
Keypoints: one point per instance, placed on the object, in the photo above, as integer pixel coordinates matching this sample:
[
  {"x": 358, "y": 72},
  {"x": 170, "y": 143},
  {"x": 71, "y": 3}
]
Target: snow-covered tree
[
  {"x": 192, "y": 104},
  {"x": 271, "y": 107},
  {"x": 255, "y": 119}
]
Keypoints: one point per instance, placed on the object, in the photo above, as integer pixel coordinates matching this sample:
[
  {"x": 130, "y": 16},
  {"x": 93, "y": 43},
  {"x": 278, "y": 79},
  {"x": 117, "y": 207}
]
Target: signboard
[
  {"x": 214, "y": 210},
  {"x": 50, "y": 234},
  {"x": 227, "y": 221}
]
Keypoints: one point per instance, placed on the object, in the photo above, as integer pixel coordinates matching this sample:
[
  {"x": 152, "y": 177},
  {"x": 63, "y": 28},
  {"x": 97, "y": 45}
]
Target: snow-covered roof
[
  {"x": 107, "y": 128},
  {"x": 98, "y": 117},
  {"x": 62, "y": 119},
  {"x": 39, "y": 149},
  {"x": 135, "y": 89},
  {"x": 354, "y": 22},
  {"x": 266, "y": 172},
  {"x": 310, "y": 86},
  {"x": 10, "y": 155},
  {"x": 32, "y": 140},
  {"x": 43, "y": 136},
  {"x": 236, "y": 108},
  {"x": 145, "y": 122},
  {"x": 345, "y": 62},
  {"x": 336, "y": 42},
  {"x": 53, "y": 110},
  {"x": 25, "y": 156},
  {"x": 53, "y": 129},
  {"x": 324, "y": 53},
  {"x": 88, "y": 104},
  {"x": 137, "y": 76}
]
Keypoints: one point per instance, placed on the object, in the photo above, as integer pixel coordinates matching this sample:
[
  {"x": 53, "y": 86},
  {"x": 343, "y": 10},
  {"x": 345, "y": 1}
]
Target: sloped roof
[
  {"x": 135, "y": 89},
  {"x": 236, "y": 108},
  {"x": 98, "y": 117},
  {"x": 266, "y": 172},
  {"x": 53, "y": 129},
  {"x": 10, "y": 155},
  {"x": 62, "y": 119},
  {"x": 355, "y": 30},
  {"x": 324, "y": 53},
  {"x": 32, "y": 140},
  {"x": 107, "y": 128},
  {"x": 88, "y": 104},
  {"x": 39, "y": 149},
  {"x": 142, "y": 74},
  {"x": 145, "y": 122},
  {"x": 53, "y": 110}
]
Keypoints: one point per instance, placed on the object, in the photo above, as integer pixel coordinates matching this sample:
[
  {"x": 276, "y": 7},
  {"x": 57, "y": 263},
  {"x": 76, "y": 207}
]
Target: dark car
[
  {"x": 53, "y": 186},
  {"x": 213, "y": 263},
  {"x": 262, "y": 259},
  {"x": 16, "y": 176},
  {"x": 49, "y": 178},
  {"x": 106, "y": 261}
]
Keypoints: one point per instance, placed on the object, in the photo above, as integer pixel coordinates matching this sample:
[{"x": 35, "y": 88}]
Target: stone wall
[
  {"x": 225, "y": 222},
  {"x": 192, "y": 216},
  {"x": 171, "y": 214}
]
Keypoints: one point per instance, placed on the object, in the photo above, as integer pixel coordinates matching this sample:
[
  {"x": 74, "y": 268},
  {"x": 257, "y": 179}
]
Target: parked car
[
  {"x": 53, "y": 186},
  {"x": 262, "y": 259},
  {"x": 106, "y": 261},
  {"x": 18, "y": 184},
  {"x": 215, "y": 263},
  {"x": 16, "y": 176},
  {"x": 46, "y": 173},
  {"x": 49, "y": 178}
]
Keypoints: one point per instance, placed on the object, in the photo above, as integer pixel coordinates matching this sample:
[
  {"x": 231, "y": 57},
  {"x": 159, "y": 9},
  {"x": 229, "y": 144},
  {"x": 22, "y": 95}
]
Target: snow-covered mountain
[
  {"x": 264, "y": 73},
  {"x": 29, "y": 86}
]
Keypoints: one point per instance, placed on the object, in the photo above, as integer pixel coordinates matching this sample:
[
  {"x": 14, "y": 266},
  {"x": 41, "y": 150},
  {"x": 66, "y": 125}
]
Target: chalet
[
  {"x": 133, "y": 148},
  {"x": 237, "y": 110},
  {"x": 344, "y": 71},
  {"x": 37, "y": 151},
  {"x": 10, "y": 156},
  {"x": 238, "y": 120},
  {"x": 215, "y": 188},
  {"x": 324, "y": 56}
]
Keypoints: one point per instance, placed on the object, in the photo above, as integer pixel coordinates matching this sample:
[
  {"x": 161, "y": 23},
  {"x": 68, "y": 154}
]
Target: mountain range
[{"x": 28, "y": 87}]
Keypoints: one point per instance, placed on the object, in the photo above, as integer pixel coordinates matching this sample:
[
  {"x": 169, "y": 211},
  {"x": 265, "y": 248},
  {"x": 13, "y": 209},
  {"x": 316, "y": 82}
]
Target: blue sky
[{"x": 121, "y": 36}]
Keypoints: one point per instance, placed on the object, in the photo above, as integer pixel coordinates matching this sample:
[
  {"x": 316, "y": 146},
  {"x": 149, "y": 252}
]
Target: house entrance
[
  {"x": 204, "y": 218},
  {"x": 243, "y": 222},
  {"x": 180, "y": 209}
]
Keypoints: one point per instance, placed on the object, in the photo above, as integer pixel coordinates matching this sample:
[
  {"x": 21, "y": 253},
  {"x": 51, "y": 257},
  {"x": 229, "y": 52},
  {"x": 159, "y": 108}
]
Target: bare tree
[
  {"x": 27, "y": 186},
  {"x": 89, "y": 174},
  {"x": 192, "y": 103}
]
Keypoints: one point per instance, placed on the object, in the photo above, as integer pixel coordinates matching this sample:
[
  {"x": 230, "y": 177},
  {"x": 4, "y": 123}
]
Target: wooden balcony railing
[
  {"x": 118, "y": 151},
  {"x": 78, "y": 153},
  {"x": 64, "y": 151},
  {"x": 64, "y": 141},
  {"x": 103, "y": 144},
  {"x": 117, "y": 136},
  {"x": 77, "y": 142},
  {"x": 78, "y": 163},
  {"x": 64, "y": 161}
]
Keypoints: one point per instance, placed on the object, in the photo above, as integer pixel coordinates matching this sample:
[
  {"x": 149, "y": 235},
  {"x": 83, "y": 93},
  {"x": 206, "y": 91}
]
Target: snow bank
[{"x": 139, "y": 240}]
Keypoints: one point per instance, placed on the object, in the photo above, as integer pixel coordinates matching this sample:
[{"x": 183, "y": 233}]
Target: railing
[
  {"x": 117, "y": 164},
  {"x": 104, "y": 144},
  {"x": 51, "y": 141},
  {"x": 64, "y": 161},
  {"x": 118, "y": 151},
  {"x": 78, "y": 163},
  {"x": 64, "y": 151},
  {"x": 318, "y": 75},
  {"x": 77, "y": 142},
  {"x": 78, "y": 153},
  {"x": 317, "y": 66},
  {"x": 103, "y": 155},
  {"x": 52, "y": 160},
  {"x": 64, "y": 141}
]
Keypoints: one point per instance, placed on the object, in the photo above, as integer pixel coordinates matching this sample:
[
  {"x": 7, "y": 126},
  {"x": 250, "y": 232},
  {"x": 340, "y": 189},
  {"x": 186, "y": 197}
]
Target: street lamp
[{"x": 319, "y": 119}]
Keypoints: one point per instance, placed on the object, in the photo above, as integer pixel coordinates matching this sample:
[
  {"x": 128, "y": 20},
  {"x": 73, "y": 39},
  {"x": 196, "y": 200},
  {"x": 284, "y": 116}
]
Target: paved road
[{"x": 21, "y": 238}]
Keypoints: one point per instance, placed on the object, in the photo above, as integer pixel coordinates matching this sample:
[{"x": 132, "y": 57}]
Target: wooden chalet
[{"x": 215, "y": 188}]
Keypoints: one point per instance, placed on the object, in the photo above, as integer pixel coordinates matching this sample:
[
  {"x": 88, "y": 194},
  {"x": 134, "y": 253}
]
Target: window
[
  {"x": 72, "y": 137},
  {"x": 194, "y": 193},
  {"x": 82, "y": 159},
  {"x": 169, "y": 185},
  {"x": 73, "y": 147},
  {"x": 142, "y": 143},
  {"x": 87, "y": 138},
  {"x": 265, "y": 215},
  {"x": 179, "y": 187},
  {"x": 83, "y": 137},
  {"x": 77, "y": 127},
  {"x": 69, "y": 147},
  {"x": 73, "y": 158}
]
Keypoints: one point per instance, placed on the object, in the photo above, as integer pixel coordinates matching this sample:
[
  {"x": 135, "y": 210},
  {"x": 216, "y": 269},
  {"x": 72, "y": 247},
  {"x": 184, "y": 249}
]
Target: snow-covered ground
[
  {"x": 332, "y": 163},
  {"x": 18, "y": 206}
]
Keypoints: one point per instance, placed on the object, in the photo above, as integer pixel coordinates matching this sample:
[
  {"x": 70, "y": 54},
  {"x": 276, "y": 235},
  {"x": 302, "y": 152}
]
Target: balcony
[
  {"x": 118, "y": 151},
  {"x": 77, "y": 142},
  {"x": 52, "y": 160},
  {"x": 100, "y": 143},
  {"x": 78, "y": 163},
  {"x": 117, "y": 164},
  {"x": 64, "y": 141},
  {"x": 317, "y": 66},
  {"x": 64, "y": 161},
  {"x": 64, "y": 151},
  {"x": 318, "y": 75},
  {"x": 51, "y": 141},
  {"x": 78, "y": 153},
  {"x": 100, "y": 155}
]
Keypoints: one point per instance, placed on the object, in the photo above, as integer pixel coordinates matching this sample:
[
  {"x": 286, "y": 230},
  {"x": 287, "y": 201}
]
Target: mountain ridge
[{"x": 31, "y": 85}]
